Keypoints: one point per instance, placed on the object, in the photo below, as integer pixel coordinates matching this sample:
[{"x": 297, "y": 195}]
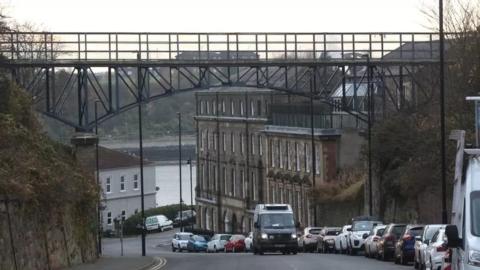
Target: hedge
[{"x": 130, "y": 227}]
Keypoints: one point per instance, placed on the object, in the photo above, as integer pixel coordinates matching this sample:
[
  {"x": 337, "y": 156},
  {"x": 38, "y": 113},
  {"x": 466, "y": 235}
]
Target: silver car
[
  {"x": 422, "y": 243},
  {"x": 372, "y": 239},
  {"x": 217, "y": 243},
  {"x": 180, "y": 241}
]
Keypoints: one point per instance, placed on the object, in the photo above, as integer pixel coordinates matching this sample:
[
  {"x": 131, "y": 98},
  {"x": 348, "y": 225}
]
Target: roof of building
[
  {"x": 301, "y": 131},
  {"x": 236, "y": 90},
  {"x": 416, "y": 50},
  {"x": 112, "y": 159}
]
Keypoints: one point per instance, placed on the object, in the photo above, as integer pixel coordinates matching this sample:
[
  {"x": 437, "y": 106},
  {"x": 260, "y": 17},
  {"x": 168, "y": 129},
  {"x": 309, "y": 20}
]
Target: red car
[{"x": 236, "y": 243}]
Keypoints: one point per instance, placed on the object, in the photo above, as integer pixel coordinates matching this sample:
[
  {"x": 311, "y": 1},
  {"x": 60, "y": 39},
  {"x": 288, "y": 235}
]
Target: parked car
[
  {"x": 180, "y": 241},
  {"x": 372, "y": 241},
  {"x": 386, "y": 245},
  {"x": 436, "y": 250},
  {"x": 308, "y": 240},
  {"x": 405, "y": 246},
  {"x": 249, "y": 242},
  {"x": 359, "y": 231},
  {"x": 217, "y": 243},
  {"x": 421, "y": 243},
  {"x": 236, "y": 243},
  {"x": 158, "y": 222},
  {"x": 197, "y": 243},
  {"x": 341, "y": 239},
  {"x": 188, "y": 218},
  {"x": 326, "y": 240}
]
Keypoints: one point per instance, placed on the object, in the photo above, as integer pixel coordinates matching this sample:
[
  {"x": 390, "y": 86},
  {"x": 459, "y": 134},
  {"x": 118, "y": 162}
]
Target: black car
[{"x": 386, "y": 245}]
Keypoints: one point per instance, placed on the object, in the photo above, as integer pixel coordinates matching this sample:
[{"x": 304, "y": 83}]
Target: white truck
[{"x": 464, "y": 232}]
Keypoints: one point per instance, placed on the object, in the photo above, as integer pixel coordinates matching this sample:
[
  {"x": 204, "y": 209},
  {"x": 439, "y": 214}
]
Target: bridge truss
[{"x": 66, "y": 73}]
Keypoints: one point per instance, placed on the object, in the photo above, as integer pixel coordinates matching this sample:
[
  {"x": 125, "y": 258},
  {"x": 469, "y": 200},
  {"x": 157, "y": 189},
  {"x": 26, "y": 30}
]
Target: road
[{"x": 159, "y": 245}]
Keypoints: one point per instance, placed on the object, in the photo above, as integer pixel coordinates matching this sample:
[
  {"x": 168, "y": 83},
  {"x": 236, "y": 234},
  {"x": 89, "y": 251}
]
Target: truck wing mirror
[
  {"x": 297, "y": 224},
  {"x": 453, "y": 240}
]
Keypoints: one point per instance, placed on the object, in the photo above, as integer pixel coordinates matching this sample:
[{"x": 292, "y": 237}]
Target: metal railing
[{"x": 115, "y": 47}]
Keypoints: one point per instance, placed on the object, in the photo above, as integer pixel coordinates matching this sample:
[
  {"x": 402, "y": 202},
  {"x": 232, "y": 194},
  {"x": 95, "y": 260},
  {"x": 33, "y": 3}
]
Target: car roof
[{"x": 184, "y": 233}]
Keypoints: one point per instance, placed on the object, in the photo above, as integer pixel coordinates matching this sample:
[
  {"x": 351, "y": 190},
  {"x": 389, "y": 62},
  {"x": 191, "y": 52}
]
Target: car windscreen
[
  {"x": 277, "y": 221},
  {"x": 380, "y": 232},
  {"x": 475, "y": 205},
  {"x": 363, "y": 225},
  {"x": 225, "y": 237},
  {"x": 314, "y": 231},
  {"x": 183, "y": 236}
]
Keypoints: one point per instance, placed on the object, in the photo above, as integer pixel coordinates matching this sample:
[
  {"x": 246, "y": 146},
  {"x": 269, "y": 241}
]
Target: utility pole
[
  {"x": 370, "y": 118},
  {"x": 140, "y": 138},
  {"x": 442, "y": 113},
  {"x": 191, "y": 187},
  {"x": 97, "y": 167},
  {"x": 180, "y": 165}
]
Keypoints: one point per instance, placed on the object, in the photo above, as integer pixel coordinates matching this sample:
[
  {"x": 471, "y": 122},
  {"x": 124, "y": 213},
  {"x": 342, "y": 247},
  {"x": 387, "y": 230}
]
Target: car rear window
[
  {"x": 398, "y": 230},
  {"x": 225, "y": 237},
  {"x": 333, "y": 232},
  {"x": 314, "y": 231},
  {"x": 415, "y": 231}
]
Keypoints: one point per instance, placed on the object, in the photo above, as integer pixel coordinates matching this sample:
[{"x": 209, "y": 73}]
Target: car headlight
[
  {"x": 264, "y": 236},
  {"x": 294, "y": 236},
  {"x": 474, "y": 258}
]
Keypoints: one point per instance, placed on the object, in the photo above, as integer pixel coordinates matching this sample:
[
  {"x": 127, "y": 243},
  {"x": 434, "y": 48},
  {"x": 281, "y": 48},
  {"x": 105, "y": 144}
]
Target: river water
[{"x": 167, "y": 179}]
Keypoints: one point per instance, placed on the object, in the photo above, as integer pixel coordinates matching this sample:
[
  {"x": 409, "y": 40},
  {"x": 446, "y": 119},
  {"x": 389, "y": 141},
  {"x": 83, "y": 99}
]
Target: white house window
[
  {"x": 242, "y": 109},
  {"x": 122, "y": 183},
  {"x": 108, "y": 185},
  {"x": 123, "y": 215},
  {"x": 135, "y": 181},
  {"x": 109, "y": 218}
]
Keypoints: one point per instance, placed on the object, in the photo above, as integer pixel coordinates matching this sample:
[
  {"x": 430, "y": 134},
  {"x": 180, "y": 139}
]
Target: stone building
[{"x": 255, "y": 146}]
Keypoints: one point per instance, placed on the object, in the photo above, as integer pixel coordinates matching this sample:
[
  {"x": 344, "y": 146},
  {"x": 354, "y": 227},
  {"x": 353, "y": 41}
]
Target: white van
[
  {"x": 463, "y": 235},
  {"x": 158, "y": 222}
]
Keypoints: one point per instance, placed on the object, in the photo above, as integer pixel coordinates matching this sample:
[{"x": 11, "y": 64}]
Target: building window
[
  {"x": 243, "y": 190},
  {"x": 223, "y": 106},
  {"x": 214, "y": 182},
  {"x": 122, "y": 183},
  {"x": 260, "y": 145},
  {"x": 280, "y": 154},
  {"x": 202, "y": 105},
  {"x": 242, "y": 144},
  {"x": 297, "y": 157},
  {"x": 123, "y": 215},
  {"x": 252, "y": 108},
  {"x": 232, "y": 108},
  {"x": 254, "y": 184},
  {"x": 242, "y": 109},
  {"x": 135, "y": 181},
  {"x": 200, "y": 139},
  {"x": 259, "y": 107},
  {"x": 208, "y": 107},
  {"x": 234, "y": 184},
  {"x": 306, "y": 157},
  {"x": 108, "y": 185},
  {"x": 289, "y": 160},
  {"x": 224, "y": 175},
  {"x": 232, "y": 142},
  {"x": 272, "y": 154},
  {"x": 215, "y": 141},
  {"x": 224, "y": 142},
  {"x": 207, "y": 138},
  {"x": 318, "y": 160},
  {"x": 109, "y": 218},
  {"x": 252, "y": 142},
  {"x": 281, "y": 194}
]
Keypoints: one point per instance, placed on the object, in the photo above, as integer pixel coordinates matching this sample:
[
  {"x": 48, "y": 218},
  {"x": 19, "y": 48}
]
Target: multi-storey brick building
[{"x": 255, "y": 146}]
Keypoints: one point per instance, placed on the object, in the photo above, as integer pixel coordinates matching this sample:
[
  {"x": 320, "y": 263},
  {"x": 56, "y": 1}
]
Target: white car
[
  {"x": 372, "y": 239},
  {"x": 341, "y": 240},
  {"x": 158, "y": 222},
  {"x": 217, "y": 242},
  {"x": 435, "y": 251},
  {"x": 422, "y": 242},
  {"x": 308, "y": 241},
  {"x": 180, "y": 241},
  {"x": 358, "y": 233},
  {"x": 249, "y": 242}
]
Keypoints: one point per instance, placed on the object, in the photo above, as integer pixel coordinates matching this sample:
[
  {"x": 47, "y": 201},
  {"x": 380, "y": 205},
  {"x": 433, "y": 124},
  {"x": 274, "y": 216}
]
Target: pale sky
[{"x": 223, "y": 15}]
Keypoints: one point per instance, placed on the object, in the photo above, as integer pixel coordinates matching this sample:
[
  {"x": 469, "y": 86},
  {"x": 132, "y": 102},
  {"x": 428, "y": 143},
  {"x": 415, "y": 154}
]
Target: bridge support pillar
[{"x": 84, "y": 145}]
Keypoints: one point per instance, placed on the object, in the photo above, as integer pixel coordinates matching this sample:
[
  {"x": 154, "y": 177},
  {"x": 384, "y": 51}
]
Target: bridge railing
[{"x": 93, "y": 46}]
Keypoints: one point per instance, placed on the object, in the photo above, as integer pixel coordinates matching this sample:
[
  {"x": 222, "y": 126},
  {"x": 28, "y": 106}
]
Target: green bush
[{"x": 130, "y": 227}]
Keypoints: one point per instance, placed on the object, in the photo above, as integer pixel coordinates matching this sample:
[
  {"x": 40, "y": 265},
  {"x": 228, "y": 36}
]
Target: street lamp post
[
  {"x": 180, "y": 165},
  {"x": 140, "y": 139},
  {"x": 369, "y": 99},
  {"x": 97, "y": 167},
  {"x": 442, "y": 112},
  {"x": 189, "y": 162}
]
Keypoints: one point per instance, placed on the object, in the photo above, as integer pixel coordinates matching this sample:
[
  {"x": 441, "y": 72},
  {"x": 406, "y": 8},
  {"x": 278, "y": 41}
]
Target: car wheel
[
  {"x": 403, "y": 260},
  {"x": 173, "y": 248},
  {"x": 415, "y": 264}
]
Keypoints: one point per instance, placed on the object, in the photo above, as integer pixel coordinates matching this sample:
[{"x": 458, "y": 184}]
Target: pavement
[{"x": 124, "y": 263}]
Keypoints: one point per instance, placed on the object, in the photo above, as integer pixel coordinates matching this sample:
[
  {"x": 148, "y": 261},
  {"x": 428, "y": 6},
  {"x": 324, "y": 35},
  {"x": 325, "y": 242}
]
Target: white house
[{"x": 120, "y": 182}]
